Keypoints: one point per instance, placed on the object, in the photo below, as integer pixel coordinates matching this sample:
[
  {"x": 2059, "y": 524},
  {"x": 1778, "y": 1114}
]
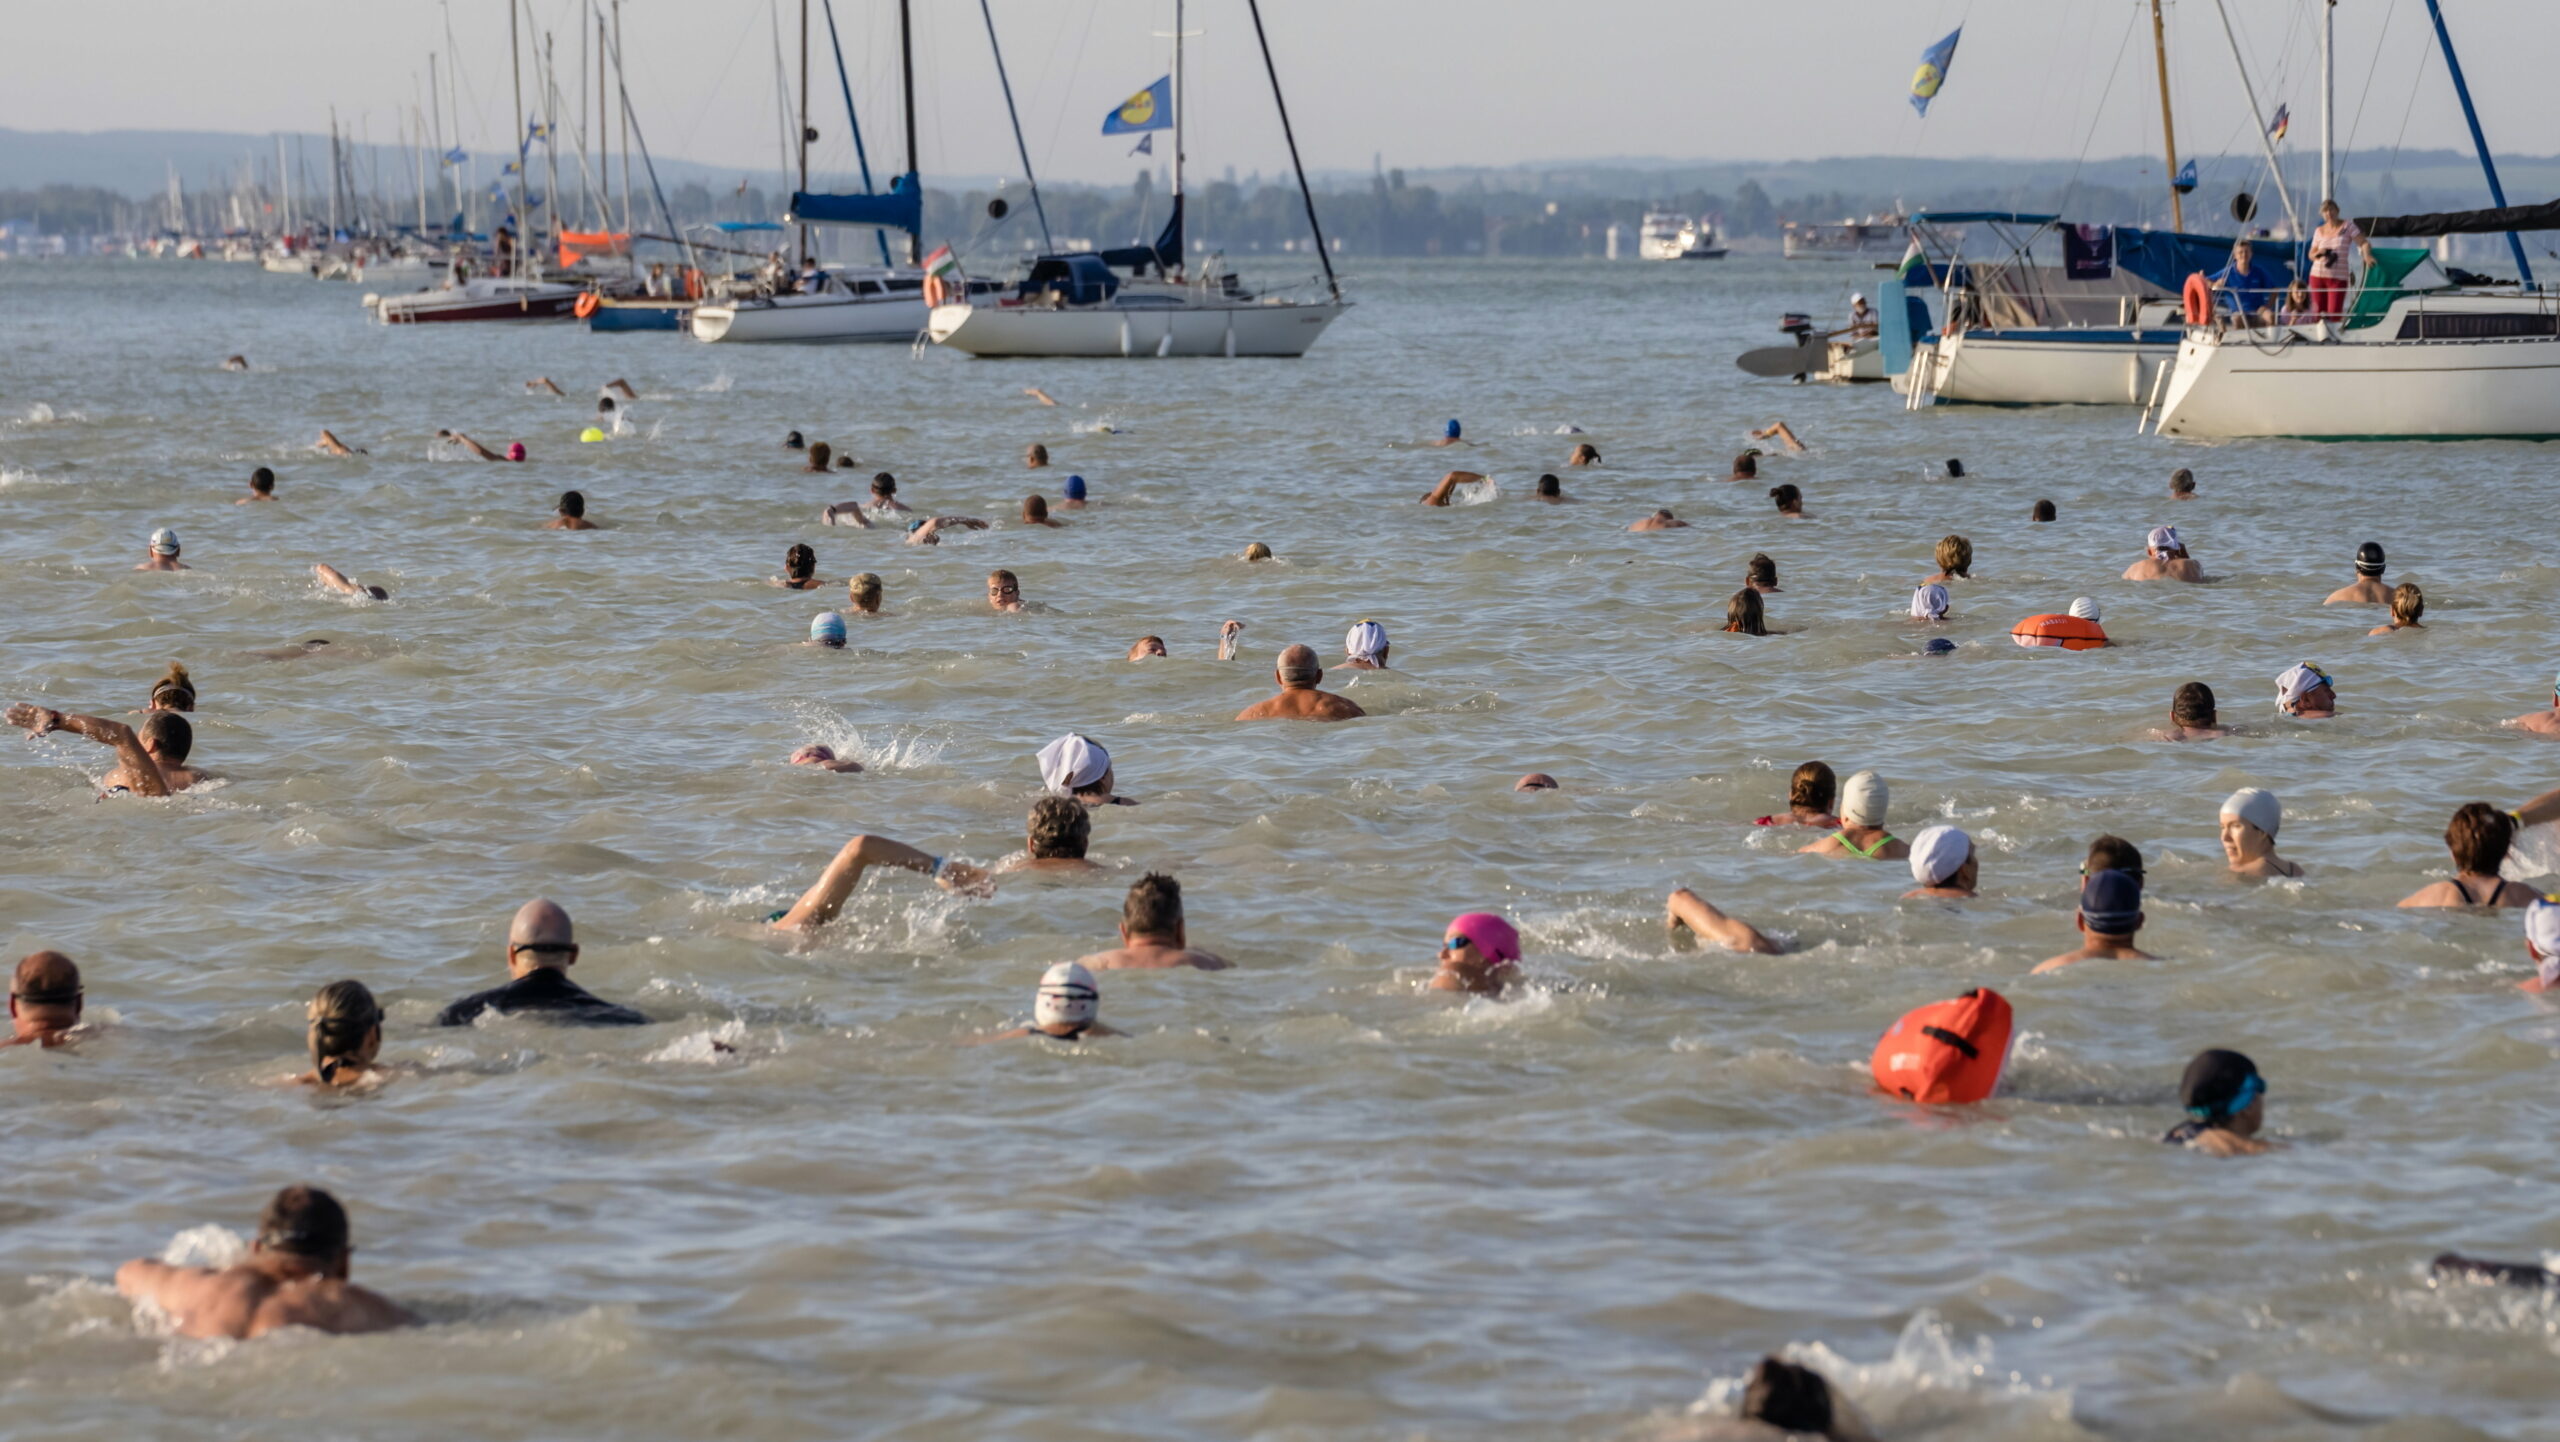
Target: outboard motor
[{"x": 1796, "y": 324}]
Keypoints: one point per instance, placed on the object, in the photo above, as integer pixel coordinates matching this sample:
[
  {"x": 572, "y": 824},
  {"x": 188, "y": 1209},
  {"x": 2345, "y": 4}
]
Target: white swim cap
[
  {"x": 1071, "y": 762},
  {"x": 1366, "y": 641},
  {"x": 2542, "y": 933},
  {"x": 1067, "y": 997},
  {"x": 1862, "y": 799},
  {"x": 1929, "y": 602},
  {"x": 2257, "y": 807},
  {"x": 164, "y": 542},
  {"x": 1938, "y": 854},
  {"x": 2164, "y": 538},
  {"x": 2084, "y": 608},
  {"x": 2298, "y": 681}
]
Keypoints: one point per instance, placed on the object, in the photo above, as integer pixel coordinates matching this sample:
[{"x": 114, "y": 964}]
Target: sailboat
[{"x": 1077, "y": 304}]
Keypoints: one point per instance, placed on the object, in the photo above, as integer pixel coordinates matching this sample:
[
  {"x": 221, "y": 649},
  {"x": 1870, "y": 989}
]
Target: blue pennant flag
[
  {"x": 455, "y": 156},
  {"x": 1149, "y": 109},
  {"x": 536, "y": 130},
  {"x": 1933, "y": 72},
  {"x": 1146, "y": 144},
  {"x": 512, "y": 167},
  {"x": 2186, "y": 181}
]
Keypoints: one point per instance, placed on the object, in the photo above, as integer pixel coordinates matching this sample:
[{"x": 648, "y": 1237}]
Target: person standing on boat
[
  {"x": 503, "y": 242},
  {"x": 2247, "y": 287},
  {"x": 2330, "y": 274},
  {"x": 659, "y": 286},
  {"x": 1862, "y": 318}
]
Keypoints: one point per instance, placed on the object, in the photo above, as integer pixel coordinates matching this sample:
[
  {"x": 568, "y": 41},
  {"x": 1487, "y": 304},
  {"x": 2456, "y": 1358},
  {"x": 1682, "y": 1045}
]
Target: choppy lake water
[{"x": 1306, "y": 1198}]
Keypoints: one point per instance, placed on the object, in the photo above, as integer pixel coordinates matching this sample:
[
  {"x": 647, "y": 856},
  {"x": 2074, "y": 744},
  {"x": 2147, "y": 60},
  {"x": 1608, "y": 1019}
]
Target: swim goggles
[{"x": 2251, "y": 1088}]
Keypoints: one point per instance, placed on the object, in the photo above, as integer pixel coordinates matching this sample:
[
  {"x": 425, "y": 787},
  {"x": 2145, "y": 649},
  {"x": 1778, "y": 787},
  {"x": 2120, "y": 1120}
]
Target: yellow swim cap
[{"x": 591, "y": 434}]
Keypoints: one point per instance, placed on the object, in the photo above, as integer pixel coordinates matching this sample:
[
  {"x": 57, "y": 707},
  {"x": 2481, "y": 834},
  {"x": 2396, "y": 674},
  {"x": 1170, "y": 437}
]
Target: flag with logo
[
  {"x": 455, "y": 156},
  {"x": 2186, "y": 181},
  {"x": 1933, "y": 71},
  {"x": 1149, "y": 109}
]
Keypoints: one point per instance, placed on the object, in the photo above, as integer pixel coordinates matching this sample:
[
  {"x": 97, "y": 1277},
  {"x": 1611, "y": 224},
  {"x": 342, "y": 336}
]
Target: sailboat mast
[
  {"x": 624, "y": 83},
  {"x": 907, "y": 85},
  {"x": 1179, "y": 116},
  {"x": 1281, "y": 102},
  {"x": 551, "y": 136},
  {"x": 2328, "y": 97},
  {"x": 333, "y": 173},
  {"x": 515, "y": 67},
  {"x": 2168, "y": 121},
  {"x": 804, "y": 121}
]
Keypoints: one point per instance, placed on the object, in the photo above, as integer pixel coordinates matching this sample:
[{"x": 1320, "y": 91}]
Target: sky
[{"x": 1419, "y": 83}]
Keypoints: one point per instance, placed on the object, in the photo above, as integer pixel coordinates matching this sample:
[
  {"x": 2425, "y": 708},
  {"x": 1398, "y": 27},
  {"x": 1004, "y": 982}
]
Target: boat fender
[
  {"x": 932, "y": 291},
  {"x": 587, "y": 305},
  {"x": 2071, "y": 633},
  {"x": 1948, "y": 1052},
  {"x": 2198, "y": 298},
  {"x": 692, "y": 284}
]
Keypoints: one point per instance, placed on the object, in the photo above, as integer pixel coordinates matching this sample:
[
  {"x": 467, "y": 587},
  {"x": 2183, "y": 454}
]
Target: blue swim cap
[
  {"x": 1451, "y": 430},
  {"x": 1075, "y": 488},
  {"x": 827, "y": 628},
  {"x": 917, "y": 524},
  {"x": 1940, "y": 646}
]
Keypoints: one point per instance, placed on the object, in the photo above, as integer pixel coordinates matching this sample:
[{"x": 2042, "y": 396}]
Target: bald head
[
  {"x": 541, "y": 935},
  {"x": 44, "y": 996},
  {"x": 1298, "y": 668}
]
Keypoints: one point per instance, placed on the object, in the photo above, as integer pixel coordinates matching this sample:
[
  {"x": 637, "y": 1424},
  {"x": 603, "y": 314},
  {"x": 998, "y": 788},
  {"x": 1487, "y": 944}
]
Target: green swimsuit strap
[{"x": 1867, "y": 853}]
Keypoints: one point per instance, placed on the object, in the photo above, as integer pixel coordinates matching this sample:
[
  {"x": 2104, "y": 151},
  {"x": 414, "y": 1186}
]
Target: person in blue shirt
[{"x": 2247, "y": 287}]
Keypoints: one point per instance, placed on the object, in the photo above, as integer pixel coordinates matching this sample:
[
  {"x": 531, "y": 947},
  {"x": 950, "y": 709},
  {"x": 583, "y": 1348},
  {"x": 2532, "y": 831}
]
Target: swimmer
[
  {"x": 619, "y": 386},
  {"x": 792, "y": 442},
  {"x": 2250, "y": 820},
  {"x": 2306, "y": 692},
  {"x": 2111, "y": 853},
  {"x": 2455, "y": 1266},
  {"x": 2408, "y": 603},
  {"x": 2164, "y": 558},
  {"x": 2545, "y": 722},
  {"x": 1037, "y": 394},
  {"x": 1585, "y": 454},
  {"x": 1690, "y": 917},
  {"x": 799, "y": 569},
  {"x": 862, "y": 595},
  {"x": 1946, "y": 864},
  {"x": 821, "y": 456},
  {"x": 825, "y": 759},
  {"x": 845, "y": 461},
  {"x": 1955, "y": 470},
  {"x": 1745, "y": 614},
  {"x": 1256, "y": 551},
  {"x": 2541, "y": 945},
  {"x": 2368, "y": 589},
  {"x": 330, "y": 445},
  {"x": 345, "y": 1035},
  {"x": 1938, "y": 646},
  {"x": 884, "y": 493},
  {"x": 1536, "y": 781},
  {"x": 544, "y": 384},
  {"x": 163, "y": 553},
  {"x": 1863, "y": 798},
  {"x": 1152, "y": 935},
  {"x": 175, "y": 691},
  {"x": 151, "y": 761},
  {"x": 1004, "y": 593},
  {"x": 1783, "y": 1400},
  {"x": 1929, "y": 602},
  {"x": 515, "y": 449},
  {"x": 294, "y": 1276},
  {"x": 1364, "y": 647},
  {"x": 2192, "y": 716},
  {"x": 1071, "y": 496},
  {"x": 1789, "y": 498},
  {"x": 844, "y": 513},
  {"x": 1449, "y": 436},
  {"x": 2109, "y": 921},
  {"x": 570, "y": 514},
  {"x": 1954, "y": 555},
  {"x": 2226, "y": 1102},
  {"x": 1661, "y": 520},
  {"x": 1551, "y": 491},
  {"x": 2182, "y": 484},
  {"x": 1036, "y": 457},
  {"x": 262, "y": 487},
  {"x": 542, "y": 944},
  {"x": 826, "y": 629},
  {"x": 1078, "y": 768},
  {"x": 2043, "y": 511},
  {"x": 927, "y": 530},
  {"x": 336, "y": 580},
  {"x": 1035, "y": 512},
  {"x": 1147, "y": 647},
  {"x": 1785, "y": 436},
  {"x": 1479, "y": 954},
  {"x": 1761, "y": 574},
  {"x": 1299, "y": 700},
  {"x": 1811, "y": 793},
  {"x": 235, "y": 363},
  {"x": 1231, "y": 632},
  {"x": 2478, "y": 836},
  {"x": 1438, "y": 495},
  {"x": 1068, "y": 1007},
  {"x": 1746, "y": 467},
  {"x": 45, "y": 998},
  {"x": 827, "y": 895}
]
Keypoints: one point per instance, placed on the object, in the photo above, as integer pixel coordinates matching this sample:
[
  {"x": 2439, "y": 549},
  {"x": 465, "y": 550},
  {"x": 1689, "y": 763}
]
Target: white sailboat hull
[
  {"x": 811, "y": 319},
  {"x": 1249, "y": 328},
  {"x": 2059, "y": 366},
  {"x": 2340, "y": 389}
]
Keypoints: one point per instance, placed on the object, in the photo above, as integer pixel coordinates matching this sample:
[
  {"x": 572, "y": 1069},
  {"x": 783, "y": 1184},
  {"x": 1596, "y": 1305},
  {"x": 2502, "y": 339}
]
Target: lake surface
[{"x": 1305, "y": 1198}]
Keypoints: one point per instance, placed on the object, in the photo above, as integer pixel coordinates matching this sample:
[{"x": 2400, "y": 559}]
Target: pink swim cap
[
  {"x": 1496, "y": 938},
  {"x": 515, "y": 450}
]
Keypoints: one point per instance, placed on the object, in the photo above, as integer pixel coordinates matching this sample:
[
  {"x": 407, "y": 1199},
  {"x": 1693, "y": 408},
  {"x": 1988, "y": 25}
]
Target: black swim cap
[
  {"x": 2217, "y": 1085},
  {"x": 1955, "y": 470},
  {"x": 2369, "y": 559},
  {"x": 1788, "y": 1397},
  {"x": 791, "y": 442}
]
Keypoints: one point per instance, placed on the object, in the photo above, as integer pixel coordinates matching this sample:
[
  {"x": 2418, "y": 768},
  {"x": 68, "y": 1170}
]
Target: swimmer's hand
[
  {"x": 37, "y": 720},
  {"x": 961, "y": 879},
  {"x": 1227, "y": 636}
]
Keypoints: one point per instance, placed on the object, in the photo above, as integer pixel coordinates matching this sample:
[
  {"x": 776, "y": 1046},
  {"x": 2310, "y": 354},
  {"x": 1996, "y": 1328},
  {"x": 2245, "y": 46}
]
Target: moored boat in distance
[
  {"x": 1074, "y": 305},
  {"x": 489, "y": 298},
  {"x": 1878, "y": 237}
]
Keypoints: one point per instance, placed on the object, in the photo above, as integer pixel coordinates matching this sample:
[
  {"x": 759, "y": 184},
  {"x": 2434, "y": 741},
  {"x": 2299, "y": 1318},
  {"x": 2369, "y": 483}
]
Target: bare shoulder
[
  {"x": 328, "y": 1305},
  {"x": 2434, "y": 893},
  {"x": 2058, "y": 963}
]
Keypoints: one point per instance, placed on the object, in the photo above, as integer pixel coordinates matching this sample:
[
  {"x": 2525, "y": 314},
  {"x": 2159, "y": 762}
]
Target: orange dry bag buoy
[
  {"x": 2198, "y": 298},
  {"x": 1947, "y": 1051},
  {"x": 587, "y": 305},
  {"x": 2071, "y": 633}
]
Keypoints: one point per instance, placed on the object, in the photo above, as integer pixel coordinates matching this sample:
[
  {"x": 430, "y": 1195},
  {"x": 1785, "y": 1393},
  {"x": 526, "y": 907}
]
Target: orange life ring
[
  {"x": 2071, "y": 633},
  {"x": 587, "y": 305},
  {"x": 1946, "y": 1052},
  {"x": 2198, "y": 298},
  {"x": 932, "y": 291}
]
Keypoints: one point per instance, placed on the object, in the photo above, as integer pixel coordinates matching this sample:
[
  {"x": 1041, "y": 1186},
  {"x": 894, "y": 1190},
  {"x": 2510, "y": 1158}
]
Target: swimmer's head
[
  {"x": 1789, "y": 1398},
  {"x": 2369, "y": 560},
  {"x": 2164, "y": 543},
  {"x": 2182, "y": 482},
  {"x": 1035, "y": 509},
  {"x": 1480, "y": 941},
  {"x": 1535, "y": 781},
  {"x": 1147, "y": 646},
  {"x": 826, "y": 629},
  {"x": 1037, "y": 455},
  {"x": 345, "y": 1026},
  {"x": 1067, "y": 997},
  {"x": 864, "y": 592},
  {"x": 2252, "y": 809},
  {"x": 306, "y": 1225},
  {"x": 1003, "y": 588},
  {"x": 1944, "y": 856},
  {"x": 1746, "y": 466},
  {"x": 515, "y": 450},
  {"x": 1449, "y": 431},
  {"x": 1074, "y": 489},
  {"x": 820, "y": 455},
  {"x": 2193, "y": 705},
  {"x": 1298, "y": 668},
  {"x": 1955, "y": 470},
  {"x": 263, "y": 481},
  {"x": 2111, "y": 904},
  {"x": 164, "y": 542},
  {"x": 175, "y": 691},
  {"x": 1929, "y": 602},
  {"x": 792, "y": 442},
  {"x": 1366, "y": 641},
  {"x": 45, "y": 995},
  {"x": 572, "y": 504},
  {"x": 604, "y": 405},
  {"x": 2478, "y": 836},
  {"x": 1955, "y": 556},
  {"x": 2085, "y": 608},
  {"x": 1939, "y": 646},
  {"x": 884, "y": 485},
  {"x": 1257, "y": 551},
  {"x": 1548, "y": 485},
  {"x": 1745, "y": 615},
  {"x": 1788, "y": 496},
  {"x": 2305, "y": 687},
  {"x": 2112, "y": 853},
  {"x": 1074, "y": 763},
  {"x": 813, "y": 754},
  {"x": 1813, "y": 787},
  {"x": 1058, "y": 829},
  {"x": 917, "y": 524},
  {"x": 1153, "y": 907},
  {"x": 2408, "y": 603},
  {"x": 799, "y": 563},
  {"x": 2043, "y": 512},
  {"x": 1863, "y": 798},
  {"x": 168, "y": 736},
  {"x": 2220, "y": 1086},
  {"x": 1760, "y": 570}
]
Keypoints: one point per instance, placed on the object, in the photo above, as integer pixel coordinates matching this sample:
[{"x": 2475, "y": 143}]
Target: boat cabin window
[{"x": 2475, "y": 325}]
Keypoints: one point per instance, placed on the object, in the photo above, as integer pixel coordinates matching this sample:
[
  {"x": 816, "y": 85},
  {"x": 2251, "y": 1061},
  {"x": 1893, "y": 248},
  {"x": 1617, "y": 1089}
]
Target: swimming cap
[
  {"x": 1075, "y": 488},
  {"x": 2259, "y": 808},
  {"x": 164, "y": 542},
  {"x": 2219, "y": 1085},
  {"x": 827, "y": 628},
  {"x": 515, "y": 450},
  {"x": 2085, "y": 608},
  {"x": 1938, "y": 854},
  {"x": 1450, "y": 430},
  {"x": 1929, "y": 602},
  {"x": 1497, "y": 939},
  {"x": 591, "y": 434},
  {"x": 2369, "y": 559},
  {"x": 2542, "y": 933},
  {"x": 2111, "y": 902},
  {"x": 1862, "y": 799},
  {"x": 2164, "y": 538},
  {"x": 792, "y": 442},
  {"x": 1067, "y": 996},
  {"x": 917, "y": 524},
  {"x": 1939, "y": 646},
  {"x": 1366, "y": 641},
  {"x": 2297, "y": 682},
  {"x": 1071, "y": 762}
]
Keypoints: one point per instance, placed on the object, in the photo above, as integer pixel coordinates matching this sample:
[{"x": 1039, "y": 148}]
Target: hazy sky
[{"x": 1425, "y": 82}]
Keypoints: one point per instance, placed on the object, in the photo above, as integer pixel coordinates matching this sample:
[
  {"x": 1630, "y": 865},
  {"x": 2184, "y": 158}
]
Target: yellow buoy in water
[{"x": 591, "y": 434}]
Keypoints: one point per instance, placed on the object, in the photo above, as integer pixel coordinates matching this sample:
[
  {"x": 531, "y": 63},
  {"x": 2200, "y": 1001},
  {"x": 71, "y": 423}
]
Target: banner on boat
[
  {"x": 1149, "y": 109},
  {"x": 1933, "y": 71}
]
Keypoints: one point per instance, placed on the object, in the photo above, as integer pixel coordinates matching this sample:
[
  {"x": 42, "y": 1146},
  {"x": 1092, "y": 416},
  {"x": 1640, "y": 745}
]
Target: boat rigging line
[
  {"x": 1332, "y": 282},
  {"x": 1014, "y": 115}
]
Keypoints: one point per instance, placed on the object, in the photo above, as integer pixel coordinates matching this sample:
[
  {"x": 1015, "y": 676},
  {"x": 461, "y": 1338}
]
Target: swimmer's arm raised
[
  {"x": 335, "y": 579},
  {"x": 1688, "y": 909},
  {"x": 827, "y": 896},
  {"x": 2540, "y": 809},
  {"x": 145, "y": 772},
  {"x": 475, "y": 448},
  {"x": 1439, "y": 494}
]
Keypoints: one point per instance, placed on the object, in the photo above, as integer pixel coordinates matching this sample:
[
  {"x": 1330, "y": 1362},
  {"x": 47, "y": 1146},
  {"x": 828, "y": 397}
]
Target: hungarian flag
[
  {"x": 941, "y": 262},
  {"x": 2283, "y": 122}
]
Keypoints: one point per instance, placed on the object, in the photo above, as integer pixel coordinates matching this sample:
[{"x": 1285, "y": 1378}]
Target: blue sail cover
[
  {"x": 2165, "y": 258},
  {"x": 1164, "y": 255},
  {"x": 901, "y": 208}
]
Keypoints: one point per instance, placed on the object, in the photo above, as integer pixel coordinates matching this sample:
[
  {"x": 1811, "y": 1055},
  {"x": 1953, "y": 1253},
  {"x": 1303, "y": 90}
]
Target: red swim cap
[{"x": 1946, "y": 1052}]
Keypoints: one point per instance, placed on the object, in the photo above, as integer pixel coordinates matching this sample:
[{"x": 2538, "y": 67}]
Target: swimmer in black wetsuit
[
  {"x": 1066, "y": 1009},
  {"x": 2226, "y": 1102},
  {"x": 541, "y": 946}
]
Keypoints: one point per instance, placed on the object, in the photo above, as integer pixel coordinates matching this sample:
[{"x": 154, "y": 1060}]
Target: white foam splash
[
  {"x": 717, "y": 385},
  {"x": 897, "y": 749},
  {"x": 1928, "y": 1383},
  {"x": 211, "y": 1245},
  {"x": 713, "y": 1046},
  {"x": 1476, "y": 493}
]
